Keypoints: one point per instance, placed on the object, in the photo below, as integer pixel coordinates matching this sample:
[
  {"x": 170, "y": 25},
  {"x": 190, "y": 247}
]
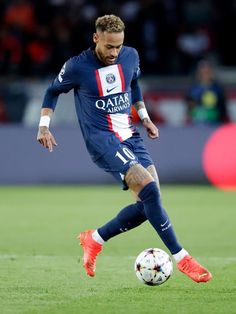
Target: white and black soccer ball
[{"x": 153, "y": 266}]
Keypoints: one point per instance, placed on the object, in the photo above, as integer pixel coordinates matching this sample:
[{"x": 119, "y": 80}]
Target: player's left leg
[
  {"x": 128, "y": 218},
  {"x": 142, "y": 183},
  {"x": 185, "y": 263}
]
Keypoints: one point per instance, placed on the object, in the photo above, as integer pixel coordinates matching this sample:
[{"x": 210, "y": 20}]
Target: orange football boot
[
  {"x": 91, "y": 250},
  {"x": 190, "y": 267}
]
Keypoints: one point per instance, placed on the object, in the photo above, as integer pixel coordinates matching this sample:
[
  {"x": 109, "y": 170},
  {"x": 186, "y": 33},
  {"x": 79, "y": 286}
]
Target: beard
[{"x": 105, "y": 59}]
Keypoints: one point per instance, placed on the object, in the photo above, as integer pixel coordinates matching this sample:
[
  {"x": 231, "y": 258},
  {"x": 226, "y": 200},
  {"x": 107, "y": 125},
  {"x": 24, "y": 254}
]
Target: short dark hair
[{"x": 109, "y": 23}]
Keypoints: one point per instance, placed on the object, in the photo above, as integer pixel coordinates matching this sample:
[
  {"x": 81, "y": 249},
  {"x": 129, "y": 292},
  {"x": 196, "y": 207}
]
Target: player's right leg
[
  {"x": 128, "y": 218},
  {"x": 91, "y": 249},
  {"x": 92, "y": 240}
]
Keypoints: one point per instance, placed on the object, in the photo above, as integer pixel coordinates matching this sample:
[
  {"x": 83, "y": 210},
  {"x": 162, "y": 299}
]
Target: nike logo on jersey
[{"x": 111, "y": 89}]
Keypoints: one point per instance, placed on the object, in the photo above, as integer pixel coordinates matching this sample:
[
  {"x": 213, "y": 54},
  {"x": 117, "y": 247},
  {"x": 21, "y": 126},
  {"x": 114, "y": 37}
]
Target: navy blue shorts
[{"x": 120, "y": 158}]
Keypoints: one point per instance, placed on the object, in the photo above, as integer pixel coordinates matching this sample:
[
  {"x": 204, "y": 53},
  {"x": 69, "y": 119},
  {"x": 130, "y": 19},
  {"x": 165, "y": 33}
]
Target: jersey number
[{"x": 128, "y": 154}]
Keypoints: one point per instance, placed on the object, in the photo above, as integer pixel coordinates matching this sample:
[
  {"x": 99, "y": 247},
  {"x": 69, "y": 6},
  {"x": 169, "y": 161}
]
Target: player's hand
[
  {"x": 46, "y": 138},
  {"x": 152, "y": 130}
]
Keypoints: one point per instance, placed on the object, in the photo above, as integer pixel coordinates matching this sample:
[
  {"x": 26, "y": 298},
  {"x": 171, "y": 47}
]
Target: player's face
[{"x": 108, "y": 46}]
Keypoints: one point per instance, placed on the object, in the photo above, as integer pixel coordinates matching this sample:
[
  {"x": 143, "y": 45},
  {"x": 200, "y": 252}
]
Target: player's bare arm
[
  {"x": 152, "y": 130},
  {"x": 44, "y": 136}
]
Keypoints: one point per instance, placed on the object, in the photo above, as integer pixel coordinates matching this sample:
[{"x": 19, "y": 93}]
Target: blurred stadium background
[{"x": 37, "y": 37}]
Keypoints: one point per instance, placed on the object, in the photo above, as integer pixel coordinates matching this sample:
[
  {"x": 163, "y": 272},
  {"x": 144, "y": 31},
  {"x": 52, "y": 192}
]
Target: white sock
[
  {"x": 96, "y": 237},
  {"x": 180, "y": 255}
]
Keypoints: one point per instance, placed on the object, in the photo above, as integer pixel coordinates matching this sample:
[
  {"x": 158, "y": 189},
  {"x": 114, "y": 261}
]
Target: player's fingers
[
  {"x": 151, "y": 135},
  {"x": 48, "y": 141},
  {"x": 49, "y": 145},
  {"x": 40, "y": 140},
  {"x": 53, "y": 141},
  {"x": 43, "y": 142}
]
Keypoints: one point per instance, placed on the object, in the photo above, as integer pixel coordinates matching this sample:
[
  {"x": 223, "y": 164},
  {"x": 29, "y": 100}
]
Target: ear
[{"x": 95, "y": 38}]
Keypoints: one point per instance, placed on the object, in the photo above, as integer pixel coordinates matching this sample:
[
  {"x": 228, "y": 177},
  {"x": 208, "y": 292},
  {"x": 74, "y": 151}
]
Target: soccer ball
[{"x": 153, "y": 266}]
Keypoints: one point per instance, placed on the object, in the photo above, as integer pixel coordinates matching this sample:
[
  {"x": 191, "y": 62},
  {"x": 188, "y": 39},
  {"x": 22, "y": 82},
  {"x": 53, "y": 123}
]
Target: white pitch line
[{"x": 14, "y": 256}]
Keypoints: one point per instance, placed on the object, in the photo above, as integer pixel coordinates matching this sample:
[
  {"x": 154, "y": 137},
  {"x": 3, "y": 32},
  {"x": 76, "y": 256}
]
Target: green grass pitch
[{"x": 40, "y": 259}]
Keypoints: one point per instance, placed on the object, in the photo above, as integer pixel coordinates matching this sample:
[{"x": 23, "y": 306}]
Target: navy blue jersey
[{"x": 103, "y": 97}]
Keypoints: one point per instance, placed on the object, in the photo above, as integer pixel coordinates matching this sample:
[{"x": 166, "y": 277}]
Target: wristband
[
  {"x": 143, "y": 113},
  {"x": 44, "y": 121}
]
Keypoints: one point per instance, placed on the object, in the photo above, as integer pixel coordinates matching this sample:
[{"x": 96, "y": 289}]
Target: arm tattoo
[
  {"x": 139, "y": 105},
  {"x": 43, "y": 130}
]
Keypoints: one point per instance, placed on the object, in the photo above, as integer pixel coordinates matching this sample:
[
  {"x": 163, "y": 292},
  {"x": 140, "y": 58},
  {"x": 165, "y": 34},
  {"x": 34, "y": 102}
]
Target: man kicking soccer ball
[{"x": 105, "y": 83}]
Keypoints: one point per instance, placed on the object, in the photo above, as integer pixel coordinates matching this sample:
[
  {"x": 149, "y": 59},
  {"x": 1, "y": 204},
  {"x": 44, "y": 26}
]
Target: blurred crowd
[{"x": 36, "y": 37}]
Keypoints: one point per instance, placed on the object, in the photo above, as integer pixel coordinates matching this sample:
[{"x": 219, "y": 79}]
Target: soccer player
[{"x": 105, "y": 83}]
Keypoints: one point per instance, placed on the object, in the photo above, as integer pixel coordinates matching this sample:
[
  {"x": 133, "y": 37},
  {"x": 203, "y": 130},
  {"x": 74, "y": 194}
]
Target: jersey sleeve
[
  {"x": 135, "y": 88},
  {"x": 63, "y": 83}
]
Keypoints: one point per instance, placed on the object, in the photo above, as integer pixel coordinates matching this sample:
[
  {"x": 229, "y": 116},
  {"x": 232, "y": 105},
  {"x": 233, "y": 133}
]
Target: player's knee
[
  {"x": 150, "y": 192},
  {"x": 137, "y": 177}
]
